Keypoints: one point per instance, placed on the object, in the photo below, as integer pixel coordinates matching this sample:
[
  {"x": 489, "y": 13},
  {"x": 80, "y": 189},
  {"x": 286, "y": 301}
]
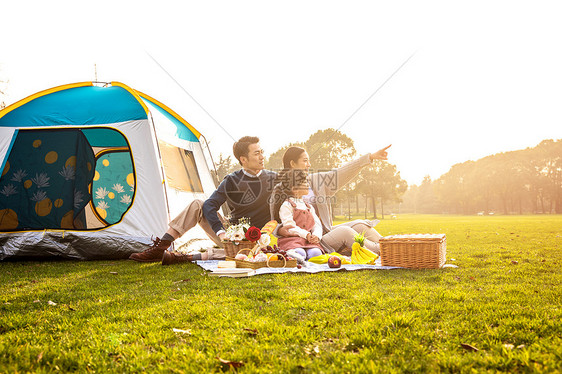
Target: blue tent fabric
[
  {"x": 78, "y": 106},
  {"x": 182, "y": 132}
]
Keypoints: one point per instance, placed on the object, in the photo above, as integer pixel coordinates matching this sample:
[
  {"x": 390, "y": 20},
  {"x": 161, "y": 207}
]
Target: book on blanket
[{"x": 233, "y": 272}]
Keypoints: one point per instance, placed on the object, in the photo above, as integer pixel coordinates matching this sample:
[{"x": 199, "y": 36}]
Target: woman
[{"x": 323, "y": 186}]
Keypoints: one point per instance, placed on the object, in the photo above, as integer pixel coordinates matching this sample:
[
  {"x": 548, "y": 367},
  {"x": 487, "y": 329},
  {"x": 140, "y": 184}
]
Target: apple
[{"x": 334, "y": 262}]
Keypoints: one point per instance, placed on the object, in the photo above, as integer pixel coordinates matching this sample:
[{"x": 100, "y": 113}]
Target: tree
[
  {"x": 453, "y": 188},
  {"x": 224, "y": 166},
  {"x": 381, "y": 181},
  {"x": 329, "y": 149},
  {"x": 549, "y": 165},
  {"x": 426, "y": 201}
]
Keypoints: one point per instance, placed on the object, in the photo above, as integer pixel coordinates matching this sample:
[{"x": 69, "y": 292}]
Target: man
[{"x": 246, "y": 192}]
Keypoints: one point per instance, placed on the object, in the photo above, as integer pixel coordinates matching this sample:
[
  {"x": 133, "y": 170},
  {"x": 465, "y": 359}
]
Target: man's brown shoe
[
  {"x": 153, "y": 253},
  {"x": 169, "y": 258}
]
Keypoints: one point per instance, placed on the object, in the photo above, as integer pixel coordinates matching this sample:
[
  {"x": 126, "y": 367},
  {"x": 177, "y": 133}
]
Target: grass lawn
[{"x": 500, "y": 310}]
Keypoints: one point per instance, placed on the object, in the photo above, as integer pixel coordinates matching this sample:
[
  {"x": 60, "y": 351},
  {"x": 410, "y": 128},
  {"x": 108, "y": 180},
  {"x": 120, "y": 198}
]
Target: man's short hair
[{"x": 241, "y": 147}]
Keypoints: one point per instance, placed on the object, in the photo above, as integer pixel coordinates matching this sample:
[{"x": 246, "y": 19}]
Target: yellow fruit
[
  {"x": 131, "y": 179},
  {"x": 51, "y": 157},
  {"x": 102, "y": 212},
  {"x": 6, "y": 168},
  {"x": 67, "y": 221},
  {"x": 368, "y": 253},
  {"x": 354, "y": 259},
  {"x": 71, "y": 161},
  {"x": 43, "y": 207},
  {"x": 322, "y": 259},
  {"x": 359, "y": 256},
  {"x": 273, "y": 257},
  {"x": 8, "y": 219},
  {"x": 345, "y": 261}
]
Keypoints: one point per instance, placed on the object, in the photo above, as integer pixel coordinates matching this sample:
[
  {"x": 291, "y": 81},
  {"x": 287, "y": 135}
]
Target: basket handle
[
  {"x": 284, "y": 261},
  {"x": 243, "y": 249}
]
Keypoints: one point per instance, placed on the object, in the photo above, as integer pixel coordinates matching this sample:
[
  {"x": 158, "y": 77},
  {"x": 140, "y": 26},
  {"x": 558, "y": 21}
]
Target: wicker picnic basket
[
  {"x": 262, "y": 264},
  {"x": 414, "y": 251},
  {"x": 231, "y": 248}
]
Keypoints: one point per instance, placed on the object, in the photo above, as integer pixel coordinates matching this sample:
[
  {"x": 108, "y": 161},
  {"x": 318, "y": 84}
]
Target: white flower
[
  {"x": 39, "y": 195},
  {"x": 238, "y": 236},
  {"x": 102, "y": 205},
  {"x": 78, "y": 198},
  {"x": 126, "y": 199},
  {"x": 9, "y": 190},
  {"x": 264, "y": 240},
  {"x": 68, "y": 172},
  {"x": 19, "y": 175},
  {"x": 41, "y": 180},
  {"x": 101, "y": 193},
  {"x": 118, "y": 188}
]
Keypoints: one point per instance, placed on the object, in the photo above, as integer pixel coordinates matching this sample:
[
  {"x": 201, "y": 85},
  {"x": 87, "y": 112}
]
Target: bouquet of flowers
[{"x": 237, "y": 232}]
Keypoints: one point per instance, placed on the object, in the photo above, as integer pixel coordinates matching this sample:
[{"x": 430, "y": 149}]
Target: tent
[{"x": 92, "y": 170}]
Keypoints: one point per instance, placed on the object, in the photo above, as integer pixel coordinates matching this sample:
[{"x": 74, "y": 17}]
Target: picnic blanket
[{"x": 212, "y": 265}]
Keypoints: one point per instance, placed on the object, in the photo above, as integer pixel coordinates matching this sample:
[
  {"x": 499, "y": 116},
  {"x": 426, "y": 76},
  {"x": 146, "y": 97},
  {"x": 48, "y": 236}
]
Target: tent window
[
  {"x": 180, "y": 168},
  {"x": 113, "y": 185}
]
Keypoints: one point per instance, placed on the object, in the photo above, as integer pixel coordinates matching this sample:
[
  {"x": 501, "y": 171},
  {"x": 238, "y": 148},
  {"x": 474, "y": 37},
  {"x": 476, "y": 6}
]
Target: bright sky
[{"x": 484, "y": 76}]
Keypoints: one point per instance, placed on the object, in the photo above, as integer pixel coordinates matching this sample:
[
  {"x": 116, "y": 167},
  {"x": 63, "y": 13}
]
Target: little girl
[{"x": 298, "y": 216}]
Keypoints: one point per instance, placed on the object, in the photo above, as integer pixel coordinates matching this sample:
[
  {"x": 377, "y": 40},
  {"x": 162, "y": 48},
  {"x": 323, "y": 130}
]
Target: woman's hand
[
  {"x": 284, "y": 231},
  {"x": 381, "y": 154},
  {"x": 312, "y": 239}
]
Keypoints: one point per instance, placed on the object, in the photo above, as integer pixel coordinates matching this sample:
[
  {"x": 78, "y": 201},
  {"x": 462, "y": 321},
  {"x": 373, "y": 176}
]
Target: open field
[{"x": 500, "y": 310}]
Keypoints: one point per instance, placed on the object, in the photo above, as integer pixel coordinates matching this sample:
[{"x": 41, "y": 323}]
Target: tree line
[{"x": 518, "y": 182}]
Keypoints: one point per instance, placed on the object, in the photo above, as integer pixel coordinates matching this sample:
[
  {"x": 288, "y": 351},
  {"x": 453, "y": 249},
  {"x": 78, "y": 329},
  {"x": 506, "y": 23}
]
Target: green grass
[{"x": 119, "y": 316}]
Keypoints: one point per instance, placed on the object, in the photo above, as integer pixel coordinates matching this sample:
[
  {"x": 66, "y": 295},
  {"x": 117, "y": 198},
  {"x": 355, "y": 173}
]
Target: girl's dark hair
[
  {"x": 291, "y": 154},
  {"x": 282, "y": 190}
]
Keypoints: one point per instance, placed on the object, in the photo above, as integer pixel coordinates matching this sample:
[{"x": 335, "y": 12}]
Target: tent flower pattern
[
  {"x": 9, "y": 190},
  {"x": 102, "y": 205},
  {"x": 19, "y": 175},
  {"x": 126, "y": 199},
  {"x": 68, "y": 172},
  {"x": 101, "y": 193},
  {"x": 39, "y": 196},
  {"x": 41, "y": 180},
  {"x": 118, "y": 188},
  {"x": 78, "y": 198}
]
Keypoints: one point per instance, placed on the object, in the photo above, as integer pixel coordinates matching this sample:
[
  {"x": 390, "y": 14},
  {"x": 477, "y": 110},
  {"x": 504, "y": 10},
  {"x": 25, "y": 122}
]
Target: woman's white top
[{"x": 286, "y": 215}]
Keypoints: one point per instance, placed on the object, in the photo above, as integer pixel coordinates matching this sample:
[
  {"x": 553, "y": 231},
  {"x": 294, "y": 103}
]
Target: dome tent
[{"x": 92, "y": 171}]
